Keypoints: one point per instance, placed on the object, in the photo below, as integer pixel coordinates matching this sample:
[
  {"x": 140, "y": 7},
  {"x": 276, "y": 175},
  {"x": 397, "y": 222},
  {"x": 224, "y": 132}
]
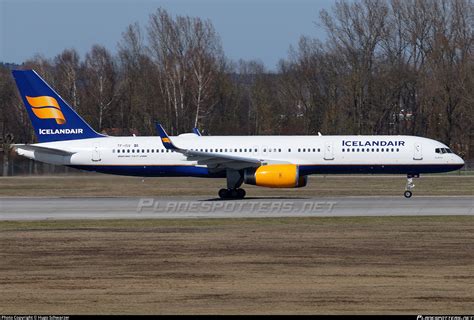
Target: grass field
[
  {"x": 265, "y": 266},
  {"x": 104, "y": 185}
]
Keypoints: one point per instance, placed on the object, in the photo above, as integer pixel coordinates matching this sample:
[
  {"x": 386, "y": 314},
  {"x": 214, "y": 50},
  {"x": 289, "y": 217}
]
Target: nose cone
[{"x": 458, "y": 161}]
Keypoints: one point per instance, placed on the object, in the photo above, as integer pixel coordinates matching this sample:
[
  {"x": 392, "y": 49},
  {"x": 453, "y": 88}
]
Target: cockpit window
[{"x": 443, "y": 150}]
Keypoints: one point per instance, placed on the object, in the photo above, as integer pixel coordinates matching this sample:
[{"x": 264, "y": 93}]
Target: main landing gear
[
  {"x": 232, "y": 193},
  {"x": 410, "y": 185},
  {"x": 234, "y": 181}
]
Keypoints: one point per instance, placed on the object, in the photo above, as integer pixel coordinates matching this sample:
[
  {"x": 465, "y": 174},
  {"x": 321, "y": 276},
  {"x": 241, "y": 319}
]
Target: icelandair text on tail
[{"x": 60, "y": 131}]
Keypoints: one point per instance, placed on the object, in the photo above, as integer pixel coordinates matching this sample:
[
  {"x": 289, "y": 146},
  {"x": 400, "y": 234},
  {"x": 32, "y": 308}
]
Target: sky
[{"x": 249, "y": 29}]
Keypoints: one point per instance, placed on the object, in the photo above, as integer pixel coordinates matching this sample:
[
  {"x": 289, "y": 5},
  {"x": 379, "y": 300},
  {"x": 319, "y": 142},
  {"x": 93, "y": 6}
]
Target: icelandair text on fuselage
[
  {"x": 376, "y": 143},
  {"x": 60, "y": 131}
]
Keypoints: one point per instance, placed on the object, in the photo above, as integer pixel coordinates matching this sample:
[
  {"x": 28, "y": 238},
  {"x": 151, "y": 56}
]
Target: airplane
[{"x": 64, "y": 138}]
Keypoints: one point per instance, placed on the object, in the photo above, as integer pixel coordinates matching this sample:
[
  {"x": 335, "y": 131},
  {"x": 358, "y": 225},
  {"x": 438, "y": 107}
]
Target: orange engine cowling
[{"x": 275, "y": 176}]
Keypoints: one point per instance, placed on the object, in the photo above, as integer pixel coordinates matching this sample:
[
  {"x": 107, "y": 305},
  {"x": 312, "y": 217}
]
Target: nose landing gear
[{"x": 410, "y": 185}]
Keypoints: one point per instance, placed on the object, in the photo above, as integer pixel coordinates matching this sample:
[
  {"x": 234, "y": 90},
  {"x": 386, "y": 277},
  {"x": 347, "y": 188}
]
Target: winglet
[
  {"x": 197, "y": 132},
  {"x": 165, "y": 139}
]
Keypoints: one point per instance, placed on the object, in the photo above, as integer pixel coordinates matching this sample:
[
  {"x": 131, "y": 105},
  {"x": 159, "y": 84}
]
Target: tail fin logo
[{"x": 45, "y": 107}]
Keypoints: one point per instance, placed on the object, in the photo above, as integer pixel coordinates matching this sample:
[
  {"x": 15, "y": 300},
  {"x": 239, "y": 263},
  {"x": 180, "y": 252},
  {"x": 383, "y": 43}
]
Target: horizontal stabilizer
[{"x": 30, "y": 147}]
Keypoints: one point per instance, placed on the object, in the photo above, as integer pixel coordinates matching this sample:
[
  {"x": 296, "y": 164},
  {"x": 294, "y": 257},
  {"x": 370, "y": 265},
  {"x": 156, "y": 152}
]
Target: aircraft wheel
[
  {"x": 234, "y": 194},
  {"x": 241, "y": 193},
  {"x": 407, "y": 194},
  {"x": 223, "y": 193}
]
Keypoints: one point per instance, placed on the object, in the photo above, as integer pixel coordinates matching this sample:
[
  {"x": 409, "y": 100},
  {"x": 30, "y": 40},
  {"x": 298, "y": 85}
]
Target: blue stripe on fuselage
[
  {"x": 381, "y": 169},
  {"x": 192, "y": 171},
  {"x": 152, "y": 171}
]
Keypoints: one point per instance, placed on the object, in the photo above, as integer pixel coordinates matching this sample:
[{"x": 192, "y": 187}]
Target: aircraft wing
[
  {"x": 48, "y": 150},
  {"x": 213, "y": 160},
  {"x": 224, "y": 161}
]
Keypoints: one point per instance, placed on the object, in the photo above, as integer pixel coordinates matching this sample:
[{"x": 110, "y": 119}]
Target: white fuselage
[{"x": 146, "y": 156}]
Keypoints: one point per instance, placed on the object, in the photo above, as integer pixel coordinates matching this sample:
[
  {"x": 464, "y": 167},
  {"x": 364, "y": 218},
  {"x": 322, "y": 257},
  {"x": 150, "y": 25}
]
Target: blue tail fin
[{"x": 52, "y": 118}]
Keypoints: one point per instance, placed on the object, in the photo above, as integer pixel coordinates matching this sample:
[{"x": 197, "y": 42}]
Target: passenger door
[
  {"x": 96, "y": 152},
  {"x": 418, "y": 155},
  {"x": 328, "y": 151}
]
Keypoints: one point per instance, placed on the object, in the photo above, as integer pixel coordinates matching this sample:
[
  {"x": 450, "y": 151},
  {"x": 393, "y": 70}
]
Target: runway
[{"x": 84, "y": 208}]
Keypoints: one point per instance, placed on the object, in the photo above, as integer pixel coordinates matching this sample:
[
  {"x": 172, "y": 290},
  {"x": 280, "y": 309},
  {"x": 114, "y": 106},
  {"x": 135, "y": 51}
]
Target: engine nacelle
[{"x": 275, "y": 176}]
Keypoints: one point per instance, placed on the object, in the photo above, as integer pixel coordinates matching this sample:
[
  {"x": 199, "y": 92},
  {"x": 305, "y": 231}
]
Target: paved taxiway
[{"x": 17, "y": 208}]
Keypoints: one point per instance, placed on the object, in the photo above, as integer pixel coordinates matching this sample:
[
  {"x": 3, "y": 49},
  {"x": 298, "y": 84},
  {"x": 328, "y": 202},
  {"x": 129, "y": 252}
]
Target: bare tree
[
  {"x": 100, "y": 78},
  {"x": 67, "y": 67}
]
